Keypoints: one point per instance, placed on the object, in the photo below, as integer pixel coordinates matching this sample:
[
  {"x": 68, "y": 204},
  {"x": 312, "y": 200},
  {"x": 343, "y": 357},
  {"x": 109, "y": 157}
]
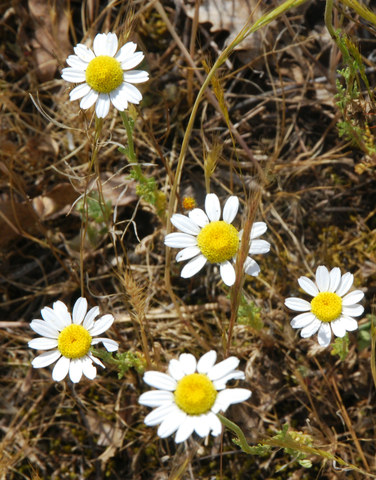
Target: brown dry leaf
[
  {"x": 119, "y": 189},
  {"x": 57, "y": 201},
  {"x": 109, "y": 435},
  {"x": 15, "y": 219},
  {"x": 51, "y": 42},
  {"x": 232, "y": 15}
]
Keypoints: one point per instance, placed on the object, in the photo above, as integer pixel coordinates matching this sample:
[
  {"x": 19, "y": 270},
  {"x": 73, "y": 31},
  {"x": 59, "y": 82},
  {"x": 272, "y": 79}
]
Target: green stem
[{"x": 131, "y": 152}]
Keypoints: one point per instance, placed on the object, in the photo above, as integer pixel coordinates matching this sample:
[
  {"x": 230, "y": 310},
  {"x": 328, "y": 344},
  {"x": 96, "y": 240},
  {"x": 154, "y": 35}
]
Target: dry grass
[{"x": 317, "y": 195}]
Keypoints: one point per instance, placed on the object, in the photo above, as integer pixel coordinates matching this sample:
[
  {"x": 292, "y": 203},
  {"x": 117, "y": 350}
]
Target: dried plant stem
[
  {"x": 85, "y": 219},
  {"x": 236, "y": 290},
  {"x": 349, "y": 425},
  {"x": 138, "y": 302},
  {"x": 373, "y": 350}
]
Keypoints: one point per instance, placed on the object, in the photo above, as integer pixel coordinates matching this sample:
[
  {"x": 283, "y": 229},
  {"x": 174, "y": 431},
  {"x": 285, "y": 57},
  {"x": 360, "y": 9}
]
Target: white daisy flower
[
  {"x": 191, "y": 394},
  {"x": 330, "y": 309},
  {"x": 206, "y": 238},
  {"x": 68, "y": 341},
  {"x": 105, "y": 74}
]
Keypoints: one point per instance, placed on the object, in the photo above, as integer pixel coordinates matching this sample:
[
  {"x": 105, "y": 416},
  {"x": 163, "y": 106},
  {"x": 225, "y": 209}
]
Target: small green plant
[
  {"x": 355, "y": 108},
  {"x": 249, "y": 314},
  {"x": 97, "y": 215},
  {"x": 146, "y": 187},
  {"x": 341, "y": 347},
  {"x": 122, "y": 361},
  {"x": 299, "y": 437},
  {"x": 364, "y": 334}
]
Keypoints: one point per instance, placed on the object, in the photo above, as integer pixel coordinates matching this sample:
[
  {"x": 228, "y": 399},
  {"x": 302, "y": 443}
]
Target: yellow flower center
[
  {"x": 104, "y": 74},
  {"x": 326, "y": 306},
  {"x": 189, "y": 203},
  {"x": 218, "y": 241},
  {"x": 195, "y": 394},
  {"x": 74, "y": 341}
]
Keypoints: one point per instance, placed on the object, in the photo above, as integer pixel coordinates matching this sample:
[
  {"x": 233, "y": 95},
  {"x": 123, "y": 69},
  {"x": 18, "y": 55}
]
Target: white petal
[
  {"x": 188, "y": 363},
  {"x": 220, "y": 384},
  {"x": 160, "y": 380},
  {"x": 175, "y": 369},
  {"x": 185, "y": 430},
  {"x": 84, "y": 53},
  {"x": 171, "y": 423},
  {"x": 302, "y": 320},
  {"x": 207, "y": 361},
  {"x": 55, "y": 318},
  {"x": 338, "y": 328},
  {"x": 105, "y": 44},
  {"x": 43, "y": 343},
  {"x": 324, "y": 335},
  {"x": 187, "y": 253},
  {"x": 349, "y": 323},
  {"x": 227, "y": 272},
  {"x": 95, "y": 360},
  {"x": 322, "y": 278},
  {"x": 310, "y": 329},
  {"x": 298, "y": 304},
  {"x": 79, "y": 91},
  {"x": 126, "y": 51},
  {"x": 136, "y": 76},
  {"x": 259, "y": 247},
  {"x": 61, "y": 369},
  {"x": 227, "y": 397},
  {"x": 223, "y": 368},
  {"x": 193, "y": 266},
  {"x": 44, "y": 329},
  {"x": 101, "y": 325},
  {"x": 335, "y": 278},
  {"x": 75, "y": 370},
  {"x": 159, "y": 414},
  {"x": 119, "y": 98},
  {"x": 345, "y": 284},
  {"x": 73, "y": 75},
  {"x": 308, "y": 286},
  {"x": 109, "y": 345},
  {"x": 79, "y": 310},
  {"x": 352, "y": 297},
  {"x": 258, "y": 228},
  {"x": 251, "y": 267},
  {"x": 102, "y": 106},
  {"x": 88, "y": 100},
  {"x": 111, "y": 44},
  {"x": 353, "y": 310},
  {"x": 156, "y": 398},
  {"x": 132, "y": 61},
  {"x": 230, "y": 209},
  {"x": 185, "y": 224},
  {"x": 215, "y": 424},
  {"x": 61, "y": 311},
  {"x": 180, "y": 240},
  {"x": 199, "y": 217},
  {"x": 89, "y": 318},
  {"x": 212, "y": 207},
  {"x": 201, "y": 425},
  {"x": 45, "y": 359},
  {"x": 132, "y": 93},
  {"x": 88, "y": 369},
  {"x": 75, "y": 62}
]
